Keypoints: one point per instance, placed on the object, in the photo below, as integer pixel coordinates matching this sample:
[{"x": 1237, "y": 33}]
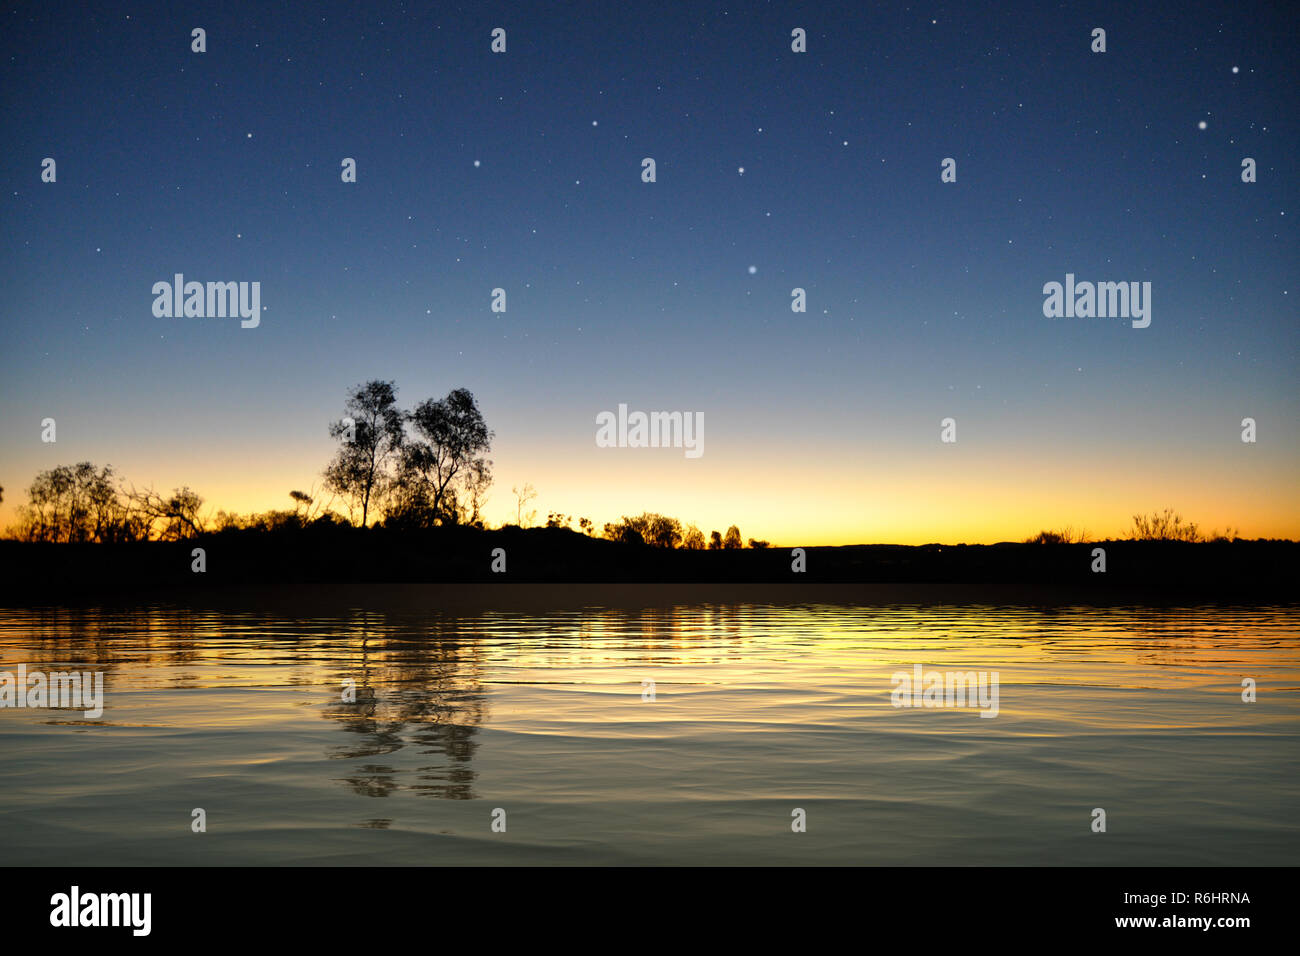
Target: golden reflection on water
[
  {"x": 768, "y": 702},
  {"x": 1127, "y": 647},
  {"x": 429, "y": 669}
]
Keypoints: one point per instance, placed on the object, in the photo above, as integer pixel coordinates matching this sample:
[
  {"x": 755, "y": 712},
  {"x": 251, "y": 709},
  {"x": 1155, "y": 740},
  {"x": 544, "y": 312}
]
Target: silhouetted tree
[
  {"x": 478, "y": 478},
  {"x": 624, "y": 532},
  {"x": 73, "y": 503},
  {"x": 445, "y": 462},
  {"x": 664, "y": 532},
  {"x": 692, "y": 538},
  {"x": 1164, "y": 526},
  {"x": 522, "y": 496},
  {"x": 649, "y": 528},
  {"x": 1066, "y": 535},
  {"x": 732, "y": 538},
  {"x": 715, "y": 541},
  {"x": 307, "y": 506},
  {"x": 371, "y": 436},
  {"x": 179, "y": 512},
  {"x": 756, "y": 543}
]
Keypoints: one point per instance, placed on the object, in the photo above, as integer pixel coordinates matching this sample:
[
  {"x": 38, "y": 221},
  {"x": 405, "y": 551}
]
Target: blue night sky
[{"x": 522, "y": 171}]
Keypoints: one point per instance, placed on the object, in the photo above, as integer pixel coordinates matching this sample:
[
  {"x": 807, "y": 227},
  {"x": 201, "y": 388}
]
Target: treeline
[
  {"x": 1167, "y": 525},
  {"x": 397, "y": 468},
  {"x": 661, "y": 531},
  {"x": 77, "y": 503},
  {"x": 82, "y": 503},
  {"x": 416, "y": 468}
]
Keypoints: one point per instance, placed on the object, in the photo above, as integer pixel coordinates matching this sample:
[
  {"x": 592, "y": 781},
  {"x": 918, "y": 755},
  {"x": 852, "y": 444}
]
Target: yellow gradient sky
[{"x": 940, "y": 493}]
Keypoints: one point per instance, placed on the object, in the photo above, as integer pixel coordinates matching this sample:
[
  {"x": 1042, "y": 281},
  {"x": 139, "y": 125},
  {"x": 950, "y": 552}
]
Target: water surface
[{"x": 757, "y": 710}]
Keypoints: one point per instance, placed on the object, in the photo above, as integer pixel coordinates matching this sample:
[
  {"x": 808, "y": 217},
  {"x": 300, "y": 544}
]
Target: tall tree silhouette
[
  {"x": 447, "y": 455},
  {"x": 371, "y": 437}
]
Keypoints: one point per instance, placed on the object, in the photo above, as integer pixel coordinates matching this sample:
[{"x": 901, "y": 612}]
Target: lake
[{"x": 668, "y": 734}]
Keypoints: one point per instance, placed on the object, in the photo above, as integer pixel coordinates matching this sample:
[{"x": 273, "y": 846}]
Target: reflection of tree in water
[
  {"x": 110, "y": 639},
  {"x": 419, "y": 689},
  {"x": 419, "y": 680}
]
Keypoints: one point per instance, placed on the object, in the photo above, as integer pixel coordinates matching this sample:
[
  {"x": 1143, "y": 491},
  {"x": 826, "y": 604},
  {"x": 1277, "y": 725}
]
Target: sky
[{"x": 774, "y": 170}]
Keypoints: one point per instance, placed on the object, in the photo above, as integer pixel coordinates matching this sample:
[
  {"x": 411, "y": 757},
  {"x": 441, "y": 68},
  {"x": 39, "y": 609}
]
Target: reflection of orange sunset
[{"x": 842, "y": 651}]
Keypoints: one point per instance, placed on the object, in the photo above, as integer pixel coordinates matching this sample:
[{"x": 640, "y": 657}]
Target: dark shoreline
[{"x": 556, "y": 568}]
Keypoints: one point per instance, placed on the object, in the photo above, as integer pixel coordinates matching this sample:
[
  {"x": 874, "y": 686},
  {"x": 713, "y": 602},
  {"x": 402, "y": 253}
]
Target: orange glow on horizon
[{"x": 971, "y": 499}]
